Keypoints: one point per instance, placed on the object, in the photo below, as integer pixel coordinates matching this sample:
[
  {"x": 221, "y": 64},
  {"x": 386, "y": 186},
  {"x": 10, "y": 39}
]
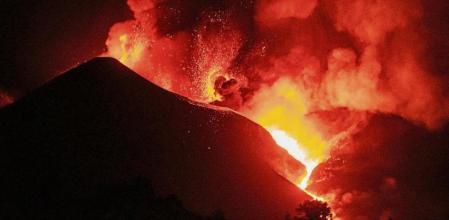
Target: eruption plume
[{"x": 310, "y": 72}]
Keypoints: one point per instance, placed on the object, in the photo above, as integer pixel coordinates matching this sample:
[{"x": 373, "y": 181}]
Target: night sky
[{"x": 40, "y": 39}]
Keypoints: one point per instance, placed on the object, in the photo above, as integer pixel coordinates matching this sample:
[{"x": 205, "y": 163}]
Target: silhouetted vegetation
[
  {"x": 132, "y": 200},
  {"x": 312, "y": 210}
]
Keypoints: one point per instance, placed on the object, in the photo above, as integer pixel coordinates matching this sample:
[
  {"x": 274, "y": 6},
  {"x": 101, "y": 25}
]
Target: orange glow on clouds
[
  {"x": 127, "y": 50},
  {"x": 282, "y": 63}
]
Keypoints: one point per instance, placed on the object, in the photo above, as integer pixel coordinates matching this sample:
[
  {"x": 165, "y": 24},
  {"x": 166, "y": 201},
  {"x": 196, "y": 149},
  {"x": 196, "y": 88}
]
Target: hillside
[{"x": 101, "y": 124}]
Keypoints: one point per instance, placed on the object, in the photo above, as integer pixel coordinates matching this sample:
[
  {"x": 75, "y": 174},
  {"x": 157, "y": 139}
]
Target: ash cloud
[
  {"x": 363, "y": 55},
  {"x": 349, "y": 60},
  {"x": 387, "y": 168}
]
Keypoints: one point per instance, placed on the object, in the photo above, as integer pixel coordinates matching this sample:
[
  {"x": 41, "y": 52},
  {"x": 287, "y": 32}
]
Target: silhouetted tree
[
  {"x": 132, "y": 199},
  {"x": 312, "y": 210}
]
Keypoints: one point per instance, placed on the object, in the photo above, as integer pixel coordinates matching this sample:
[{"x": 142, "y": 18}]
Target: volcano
[{"x": 101, "y": 124}]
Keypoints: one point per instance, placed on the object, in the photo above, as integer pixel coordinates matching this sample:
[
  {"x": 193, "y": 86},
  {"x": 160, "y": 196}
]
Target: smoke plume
[
  {"x": 318, "y": 70},
  {"x": 373, "y": 61}
]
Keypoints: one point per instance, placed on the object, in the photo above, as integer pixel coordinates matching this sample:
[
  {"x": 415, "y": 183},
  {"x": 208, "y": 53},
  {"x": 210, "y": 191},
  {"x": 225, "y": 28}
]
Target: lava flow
[
  {"x": 294, "y": 148},
  {"x": 282, "y": 110}
]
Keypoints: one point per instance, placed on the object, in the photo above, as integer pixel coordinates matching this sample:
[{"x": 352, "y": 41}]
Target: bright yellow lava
[
  {"x": 282, "y": 109},
  {"x": 295, "y": 150},
  {"x": 209, "y": 92}
]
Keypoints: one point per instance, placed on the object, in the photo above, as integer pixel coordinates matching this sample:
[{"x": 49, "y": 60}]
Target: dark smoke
[{"x": 373, "y": 74}]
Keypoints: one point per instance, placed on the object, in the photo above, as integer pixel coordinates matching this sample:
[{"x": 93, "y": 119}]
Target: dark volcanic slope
[{"x": 101, "y": 124}]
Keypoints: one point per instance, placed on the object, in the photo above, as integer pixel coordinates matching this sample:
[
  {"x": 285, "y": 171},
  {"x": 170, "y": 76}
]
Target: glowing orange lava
[
  {"x": 209, "y": 94},
  {"x": 295, "y": 149},
  {"x": 282, "y": 110}
]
